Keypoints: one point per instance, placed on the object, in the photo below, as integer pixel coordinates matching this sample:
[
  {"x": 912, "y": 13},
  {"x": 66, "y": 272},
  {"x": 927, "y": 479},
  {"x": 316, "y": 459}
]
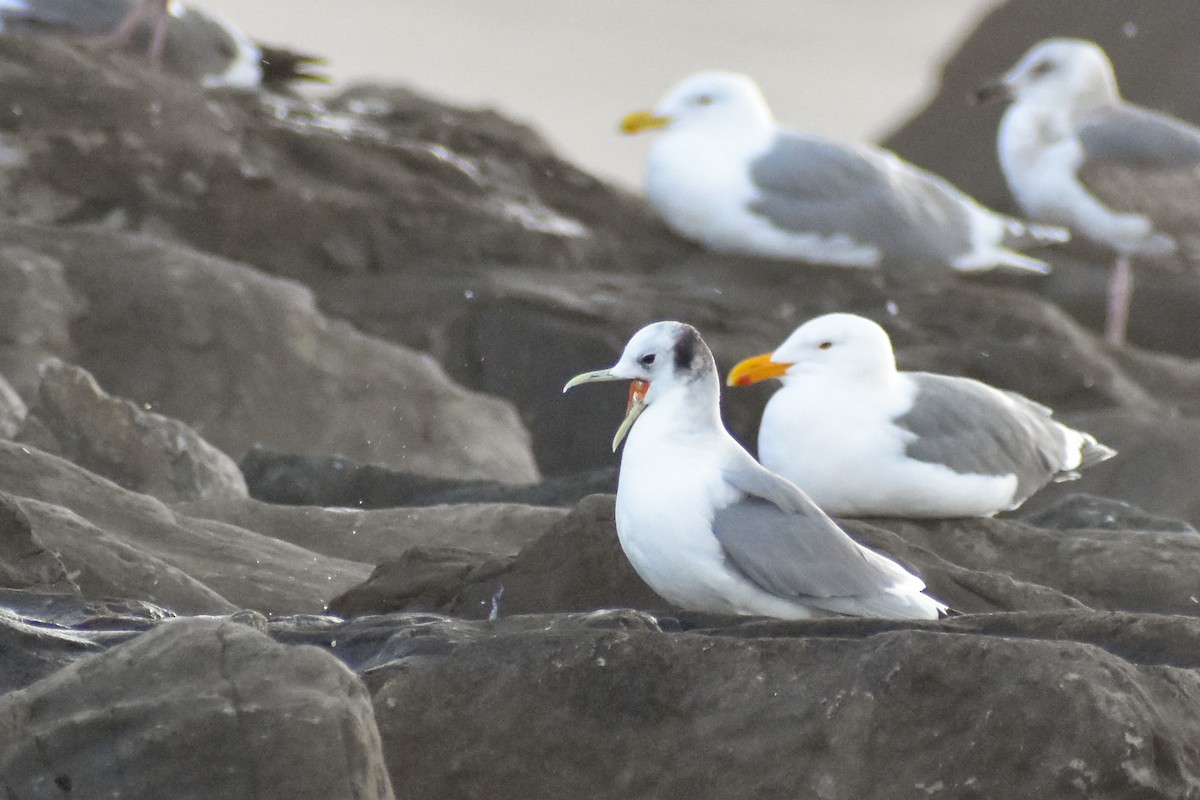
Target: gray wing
[
  {"x": 810, "y": 184},
  {"x": 1141, "y": 162},
  {"x": 968, "y": 427},
  {"x": 782, "y": 542}
]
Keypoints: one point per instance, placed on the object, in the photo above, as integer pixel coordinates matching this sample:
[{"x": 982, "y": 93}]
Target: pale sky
[{"x": 848, "y": 68}]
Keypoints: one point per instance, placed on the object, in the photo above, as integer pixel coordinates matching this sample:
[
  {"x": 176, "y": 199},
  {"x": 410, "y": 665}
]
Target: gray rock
[
  {"x": 119, "y": 542},
  {"x": 974, "y": 565},
  {"x": 42, "y": 633},
  {"x": 74, "y": 418},
  {"x": 1076, "y": 511},
  {"x": 37, "y": 307},
  {"x": 246, "y": 358},
  {"x": 1158, "y": 457},
  {"x": 25, "y": 561},
  {"x": 197, "y": 708},
  {"x": 12, "y": 410},
  {"x": 337, "y": 481},
  {"x": 374, "y": 536},
  {"x": 836, "y": 708}
]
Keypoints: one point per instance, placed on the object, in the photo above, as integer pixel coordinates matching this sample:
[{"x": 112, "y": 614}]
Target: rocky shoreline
[{"x": 291, "y": 504}]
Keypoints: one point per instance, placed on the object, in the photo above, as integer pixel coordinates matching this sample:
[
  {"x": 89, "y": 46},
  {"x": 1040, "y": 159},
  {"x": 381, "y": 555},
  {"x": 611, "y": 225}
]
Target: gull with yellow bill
[
  {"x": 726, "y": 176},
  {"x": 865, "y": 439},
  {"x": 707, "y": 527}
]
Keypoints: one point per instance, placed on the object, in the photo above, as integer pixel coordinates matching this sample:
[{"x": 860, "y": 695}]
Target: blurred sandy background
[{"x": 848, "y": 68}]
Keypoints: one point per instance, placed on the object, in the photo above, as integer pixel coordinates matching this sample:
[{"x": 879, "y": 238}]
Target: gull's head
[
  {"x": 712, "y": 100},
  {"x": 841, "y": 345},
  {"x": 1074, "y": 74},
  {"x": 660, "y": 358}
]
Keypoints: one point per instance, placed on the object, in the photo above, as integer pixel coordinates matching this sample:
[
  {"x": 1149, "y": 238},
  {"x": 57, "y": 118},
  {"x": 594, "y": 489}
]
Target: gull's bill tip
[
  {"x": 592, "y": 377},
  {"x": 640, "y": 121},
  {"x": 755, "y": 369}
]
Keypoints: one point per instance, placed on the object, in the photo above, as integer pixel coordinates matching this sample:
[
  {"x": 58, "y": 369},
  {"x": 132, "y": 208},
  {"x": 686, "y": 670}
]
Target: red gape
[{"x": 637, "y": 392}]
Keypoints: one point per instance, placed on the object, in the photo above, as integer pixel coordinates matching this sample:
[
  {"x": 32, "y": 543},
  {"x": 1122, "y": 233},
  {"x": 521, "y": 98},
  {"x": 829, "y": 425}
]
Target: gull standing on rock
[
  {"x": 723, "y": 174},
  {"x": 1074, "y": 153},
  {"x": 864, "y": 439},
  {"x": 707, "y": 527}
]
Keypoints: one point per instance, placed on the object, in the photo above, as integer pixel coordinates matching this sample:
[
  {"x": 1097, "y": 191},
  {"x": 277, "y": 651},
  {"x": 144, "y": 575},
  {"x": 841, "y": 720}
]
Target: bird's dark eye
[
  {"x": 1042, "y": 68},
  {"x": 704, "y": 100},
  {"x": 647, "y": 360},
  {"x": 825, "y": 345}
]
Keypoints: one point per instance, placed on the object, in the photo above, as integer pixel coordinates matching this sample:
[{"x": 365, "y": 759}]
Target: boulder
[
  {"x": 974, "y": 565},
  {"x": 1073, "y": 705},
  {"x": 246, "y": 358},
  {"x": 74, "y": 418},
  {"x": 37, "y": 307},
  {"x": 374, "y": 536},
  {"x": 129, "y": 545},
  {"x": 337, "y": 481},
  {"x": 197, "y": 708}
]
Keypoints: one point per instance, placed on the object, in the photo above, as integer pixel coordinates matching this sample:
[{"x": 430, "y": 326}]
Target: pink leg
[
  {"x": 1120, "y": 293},
  {"x": 153, "y": 11}
]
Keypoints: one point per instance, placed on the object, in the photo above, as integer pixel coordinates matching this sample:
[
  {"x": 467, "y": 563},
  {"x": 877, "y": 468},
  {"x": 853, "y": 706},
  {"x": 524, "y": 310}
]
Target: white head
[
  {"x": 711, "y": 100},
  {"x": 662, "y": 358},
  {"x": 843, "y": 345},
  {"x": 1065, "y": 73}
]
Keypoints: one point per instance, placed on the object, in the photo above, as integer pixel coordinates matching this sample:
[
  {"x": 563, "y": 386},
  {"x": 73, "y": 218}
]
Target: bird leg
[
  {"x": 1120, "y": 293},
  {"x": 154, "y": 11}
]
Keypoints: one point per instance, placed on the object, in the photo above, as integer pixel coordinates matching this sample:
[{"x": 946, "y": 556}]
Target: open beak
[
  {"x": 640, "y": 121},
  {"x": 990, "y": 92},
  {"x": 753, "y": 370},
  {"x": 637, "y": 398}
]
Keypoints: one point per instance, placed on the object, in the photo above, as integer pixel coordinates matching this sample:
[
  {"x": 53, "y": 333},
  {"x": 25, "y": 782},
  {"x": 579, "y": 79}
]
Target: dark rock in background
[
  {"x": 334, "y": 481},
  {"x": 37, "y": 308},
  {"x": 74, "y": 418},
  {"x": 370, "y": 536}
]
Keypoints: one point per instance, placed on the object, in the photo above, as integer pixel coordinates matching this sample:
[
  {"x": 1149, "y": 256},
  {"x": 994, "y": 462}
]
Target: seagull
[
  {"x": 181, "y": 39},
  {"x": 863, "y": 439},
  {"x": 707, "y": 527},
  {"x": 725, "y": 175},
  {"x": 1074, "y": 153}
]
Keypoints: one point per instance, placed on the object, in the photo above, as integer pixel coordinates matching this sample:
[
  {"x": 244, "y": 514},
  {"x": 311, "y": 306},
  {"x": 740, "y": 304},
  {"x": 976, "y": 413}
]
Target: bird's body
[
  {"x": 725, "y": 175},
  {"x": 865, "y": 439},
  {"x": 185, "y": 41},
  {"x": 1075, "y": 153},
  {"x": 708, "y": 528}
]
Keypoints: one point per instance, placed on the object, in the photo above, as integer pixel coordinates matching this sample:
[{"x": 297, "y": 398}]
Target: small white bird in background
[
  {"x": 707, "y": 527},
  {"x": 1074, "y": 153},
  {"x": 181, "y": 39},
  {"x": 725, "y": 175},
  {"x": 864, "y": 439}
]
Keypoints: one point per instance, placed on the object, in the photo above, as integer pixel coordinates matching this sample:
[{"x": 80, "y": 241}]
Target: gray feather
[
  {"x": 1137, "y": 161},
  {"x": 812, "y": 185},
  {"x": 781, "y": 541},
  {"x": 968, "y": 427}
]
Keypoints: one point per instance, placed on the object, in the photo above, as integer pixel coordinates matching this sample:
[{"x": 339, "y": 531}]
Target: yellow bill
[
  {"x": 755, "y": 369},
  {"x": 640, "y": 121}
]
